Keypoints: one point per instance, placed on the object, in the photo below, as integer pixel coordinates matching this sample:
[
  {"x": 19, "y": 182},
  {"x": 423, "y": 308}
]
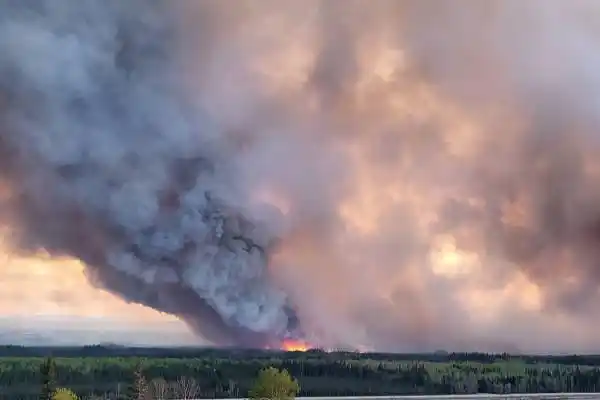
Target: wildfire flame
[{"x": 295, "y": 345}]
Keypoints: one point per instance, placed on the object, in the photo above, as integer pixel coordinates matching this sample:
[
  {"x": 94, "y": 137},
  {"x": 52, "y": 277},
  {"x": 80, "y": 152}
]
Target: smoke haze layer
[{"x": 396, "y": 175}]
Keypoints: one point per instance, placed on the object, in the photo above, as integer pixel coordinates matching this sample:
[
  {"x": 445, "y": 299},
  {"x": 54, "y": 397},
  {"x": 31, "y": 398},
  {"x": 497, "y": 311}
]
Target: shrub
[
  {"x": 64, "y": 394},
  {"x": 274, "y": 384}
]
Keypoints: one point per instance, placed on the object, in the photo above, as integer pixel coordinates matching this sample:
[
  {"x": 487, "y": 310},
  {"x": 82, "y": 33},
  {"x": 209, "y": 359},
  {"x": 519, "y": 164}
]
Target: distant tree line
[
  {"x": 222, "y": 373},
  {"x": 240, "y": 353}
]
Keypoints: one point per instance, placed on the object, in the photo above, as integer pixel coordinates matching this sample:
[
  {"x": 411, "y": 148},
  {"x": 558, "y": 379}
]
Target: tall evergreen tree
[{"x": 48, "y": 373}]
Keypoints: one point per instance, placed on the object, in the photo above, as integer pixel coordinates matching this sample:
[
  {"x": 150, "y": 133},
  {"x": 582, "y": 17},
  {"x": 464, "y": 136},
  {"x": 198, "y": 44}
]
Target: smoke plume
[{"x": 390, "y": 174}]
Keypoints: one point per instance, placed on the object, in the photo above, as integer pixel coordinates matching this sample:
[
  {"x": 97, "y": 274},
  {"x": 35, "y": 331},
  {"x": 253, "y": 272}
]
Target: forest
[{"x": 110, "y": 371}]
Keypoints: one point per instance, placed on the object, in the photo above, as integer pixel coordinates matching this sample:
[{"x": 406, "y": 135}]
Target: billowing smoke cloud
[
  {"x": 400, "y": 175},
  {"x": 106, "y": 164}
]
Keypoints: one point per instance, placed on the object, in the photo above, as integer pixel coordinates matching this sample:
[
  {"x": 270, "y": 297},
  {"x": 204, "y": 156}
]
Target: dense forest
[{"x": 221, "y": 373}]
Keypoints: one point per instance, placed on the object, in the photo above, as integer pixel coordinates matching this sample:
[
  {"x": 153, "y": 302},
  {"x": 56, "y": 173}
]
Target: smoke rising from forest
[{"x": 397, "y": 175}]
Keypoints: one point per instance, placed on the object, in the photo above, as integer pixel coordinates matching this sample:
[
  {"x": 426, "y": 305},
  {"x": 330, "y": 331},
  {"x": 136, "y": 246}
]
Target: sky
[{"x": 39, "y": 294}]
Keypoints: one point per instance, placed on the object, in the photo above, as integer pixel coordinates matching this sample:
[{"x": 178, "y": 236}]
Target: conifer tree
[{"x": 48, "y": 373}]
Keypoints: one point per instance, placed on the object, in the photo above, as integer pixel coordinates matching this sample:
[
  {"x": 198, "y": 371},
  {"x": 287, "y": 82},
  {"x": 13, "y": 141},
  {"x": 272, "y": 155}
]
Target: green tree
[
  {"x": 64, "y": 394},
  {"x": 48, "y": 372},
  {"x": 274, "y": 384},
  {"x": 139, "y": 389}
]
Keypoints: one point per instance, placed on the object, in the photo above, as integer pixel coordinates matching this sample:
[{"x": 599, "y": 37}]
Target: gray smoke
[
  {"x": 398, "y": 174},
  {"x": 104, "y": 164}
]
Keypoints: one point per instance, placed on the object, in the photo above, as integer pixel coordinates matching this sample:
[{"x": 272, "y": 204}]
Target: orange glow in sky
[{"x": 30, "y": 286}]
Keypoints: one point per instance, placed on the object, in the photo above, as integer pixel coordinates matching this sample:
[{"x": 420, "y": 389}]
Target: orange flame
[{"x": 294, "y": 345}]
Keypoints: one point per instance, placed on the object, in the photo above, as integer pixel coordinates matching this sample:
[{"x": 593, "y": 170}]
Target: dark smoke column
[{"x": 104, "y": 165}]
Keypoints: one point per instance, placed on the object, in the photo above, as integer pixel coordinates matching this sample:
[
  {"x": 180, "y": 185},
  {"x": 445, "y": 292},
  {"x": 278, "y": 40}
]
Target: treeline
[
  {"x": 218, "y": 373},
  {"x": 211, "y": 352}
]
